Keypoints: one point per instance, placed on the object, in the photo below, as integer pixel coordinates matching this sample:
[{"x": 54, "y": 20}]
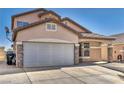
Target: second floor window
[
  {"x": 51, "y": 27},
  {"x": 21, "y": 24}
]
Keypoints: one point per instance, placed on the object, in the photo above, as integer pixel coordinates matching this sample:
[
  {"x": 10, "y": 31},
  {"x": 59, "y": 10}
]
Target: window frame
[
  {"x": 88, "y": 53},
  {"x": 86, "y": 45},
  {"x": 22, "y": 23},
  {"x": 86, "y": 49},
  {"x": 51, "y": 26}
]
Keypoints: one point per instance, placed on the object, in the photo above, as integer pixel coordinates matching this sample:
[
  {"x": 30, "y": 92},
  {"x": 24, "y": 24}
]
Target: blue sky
[{"x": 101, "y": 21}]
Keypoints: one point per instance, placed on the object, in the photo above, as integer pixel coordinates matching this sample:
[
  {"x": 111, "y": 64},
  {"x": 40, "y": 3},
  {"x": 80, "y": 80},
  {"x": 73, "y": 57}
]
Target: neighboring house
[
  {"x": 43, "y": 38},
  {"x": 118, "y": 47},
  {"x": 2, "y": 54}
]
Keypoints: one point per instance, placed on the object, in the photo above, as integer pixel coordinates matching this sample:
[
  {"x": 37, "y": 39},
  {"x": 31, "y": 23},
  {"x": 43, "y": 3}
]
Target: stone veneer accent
[
  {"x": 76, "y": 54},
  {"x": 19, "y": 56}
]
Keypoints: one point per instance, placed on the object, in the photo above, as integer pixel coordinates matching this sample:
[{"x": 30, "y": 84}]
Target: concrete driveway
[
  {"x": 92, "y": 74},
  {"x": 115, "y": 66}
]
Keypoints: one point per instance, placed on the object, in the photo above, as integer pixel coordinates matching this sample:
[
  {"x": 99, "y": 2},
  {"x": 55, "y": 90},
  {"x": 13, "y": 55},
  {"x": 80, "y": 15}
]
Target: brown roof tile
[
  {"x": 48, "y": 12},
  {"x": 66, "y": 18},
  {"x": 95, "y": 36},
  {"x": 119, "y": 38}
]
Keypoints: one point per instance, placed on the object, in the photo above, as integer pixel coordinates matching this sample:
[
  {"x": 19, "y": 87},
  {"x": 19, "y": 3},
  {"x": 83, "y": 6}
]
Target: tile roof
[
  {"x": 31, "y": 11},
  {"x": 48, "y": 12},
  {"x": 119, "y": 38},
  {"x": 66, "y": 18},
  {"x": 95, "y": 36}
]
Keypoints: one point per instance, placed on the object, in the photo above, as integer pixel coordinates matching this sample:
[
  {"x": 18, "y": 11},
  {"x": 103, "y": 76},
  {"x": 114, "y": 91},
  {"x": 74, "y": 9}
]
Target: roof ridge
[
  {"x": 118, "y": 34},
  {"x": 30, "y": 11},
  {"x": 50, "y": 11},
  {"x": 67, "y": 18}
]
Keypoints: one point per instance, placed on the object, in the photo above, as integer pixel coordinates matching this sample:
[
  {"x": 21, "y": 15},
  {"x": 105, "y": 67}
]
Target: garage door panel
[
  {"x": 31, "y": 53},
  {"x": 48, "y": 54}
]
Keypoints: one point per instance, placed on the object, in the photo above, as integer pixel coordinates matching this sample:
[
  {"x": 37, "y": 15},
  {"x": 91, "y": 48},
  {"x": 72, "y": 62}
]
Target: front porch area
[{"x": 93, "y": 50}]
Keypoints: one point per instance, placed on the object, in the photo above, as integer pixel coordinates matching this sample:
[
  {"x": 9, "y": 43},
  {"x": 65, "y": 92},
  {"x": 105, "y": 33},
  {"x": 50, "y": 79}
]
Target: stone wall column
[
  {"x": 76, "y": 54},
  {"x": 19, "y": 55}
]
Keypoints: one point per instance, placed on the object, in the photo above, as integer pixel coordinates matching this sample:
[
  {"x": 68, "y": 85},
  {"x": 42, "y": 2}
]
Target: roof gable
[
  {"x": 50, "y": 12},
  {"x": 42, "y": 22},
  {"x": 25, "y": 13}
]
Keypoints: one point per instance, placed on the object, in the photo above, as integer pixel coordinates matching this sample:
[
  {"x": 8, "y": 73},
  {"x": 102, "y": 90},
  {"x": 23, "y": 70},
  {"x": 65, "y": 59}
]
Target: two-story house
[{"x": 43, "y": 38}]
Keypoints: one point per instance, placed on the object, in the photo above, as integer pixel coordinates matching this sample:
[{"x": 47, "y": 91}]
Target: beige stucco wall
[
  {"x": 95, "y": 40},
  {"x": 39, "y": 32},
  {"x": 104, "y": 52},
  {"x": 95, "y": 51},
  {"x": 95, "y": 54},
  {"x": 31, "y": 17},
  {"x": 103, "y": 48},
  {"x": 68, "y": 23},
  {"x": 49, "y": 15},
  {"x": 95, "y": 44},
  {"x": 116, "y": 51},
  {"x": 2, "y": 55}
]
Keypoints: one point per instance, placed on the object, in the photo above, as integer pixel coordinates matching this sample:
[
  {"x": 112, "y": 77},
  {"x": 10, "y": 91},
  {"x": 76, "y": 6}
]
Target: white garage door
[{"x": 48, "y": 54}]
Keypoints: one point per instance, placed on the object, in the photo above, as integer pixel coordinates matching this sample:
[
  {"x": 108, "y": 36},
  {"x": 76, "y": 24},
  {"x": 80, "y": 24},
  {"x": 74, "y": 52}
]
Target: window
[
  {"x": 86, "y": 45},
  {"x": 51, "y": 27},
  {"x": 21, "y": 24},
  {"x": 86, "y": 53},
  {"x": 86, "y": 49}
]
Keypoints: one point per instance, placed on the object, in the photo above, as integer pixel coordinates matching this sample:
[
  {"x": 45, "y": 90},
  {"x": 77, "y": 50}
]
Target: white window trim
[
  {"x": 95, "y": 47},
  {"x": 83, "y": 45},
  {"x": 22, "y": 22},
  {"x": 19, "y": 43},
  {"x": 51, "y": 24}
]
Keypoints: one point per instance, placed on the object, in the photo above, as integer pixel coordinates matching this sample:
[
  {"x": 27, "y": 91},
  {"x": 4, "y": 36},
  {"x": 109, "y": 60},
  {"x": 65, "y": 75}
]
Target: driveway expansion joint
[
  {"x": 74, "y": 77},
  {"x": 27, "y": 76}
]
